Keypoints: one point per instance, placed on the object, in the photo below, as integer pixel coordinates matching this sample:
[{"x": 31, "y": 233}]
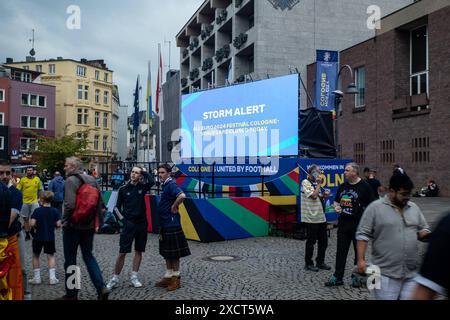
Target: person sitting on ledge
[{"x": 431, "y": 190}]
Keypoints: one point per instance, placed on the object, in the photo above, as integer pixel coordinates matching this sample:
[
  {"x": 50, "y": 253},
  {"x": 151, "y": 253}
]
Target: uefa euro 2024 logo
[{"x": 284, "y": 4}]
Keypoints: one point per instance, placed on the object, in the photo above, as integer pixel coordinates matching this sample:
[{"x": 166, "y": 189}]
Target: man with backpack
[
  {"x": 131, "y": 204},
  {"x": 83, "y": 206}
]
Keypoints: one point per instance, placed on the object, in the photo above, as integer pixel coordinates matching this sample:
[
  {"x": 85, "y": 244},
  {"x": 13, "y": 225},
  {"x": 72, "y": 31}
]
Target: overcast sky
[{"x": 123, "y": 33}]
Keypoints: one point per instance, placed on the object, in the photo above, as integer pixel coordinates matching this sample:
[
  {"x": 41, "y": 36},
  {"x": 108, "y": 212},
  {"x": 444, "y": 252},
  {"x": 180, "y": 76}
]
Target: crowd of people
[{"x": 392, "y": 223}]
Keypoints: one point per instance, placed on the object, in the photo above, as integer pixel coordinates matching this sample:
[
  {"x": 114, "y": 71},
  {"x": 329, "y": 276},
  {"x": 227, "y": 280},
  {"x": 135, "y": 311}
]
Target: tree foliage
[{"x": 52, "y": 152}]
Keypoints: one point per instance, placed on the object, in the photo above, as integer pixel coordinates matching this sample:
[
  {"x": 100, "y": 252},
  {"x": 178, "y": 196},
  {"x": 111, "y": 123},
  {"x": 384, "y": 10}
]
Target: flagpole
[
  {"x": 149, "y": 88},
  {"x": 159, "y": 97}
]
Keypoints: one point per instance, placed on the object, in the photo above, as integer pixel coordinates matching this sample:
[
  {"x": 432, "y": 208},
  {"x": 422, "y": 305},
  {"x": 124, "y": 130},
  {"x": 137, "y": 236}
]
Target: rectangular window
[
  {"x": 33, "y": 100},
  {"x": 359, "y": 153},
  {"x": 51, "y": 69},
  {"x": 105, "y": 143},
  {"x": 105, "y": 120},
  {"x": 419, "y": 60},
  {"x": 80, "y": 116},
  {"x": 2, "y": 143},
  {"x": 360, "y": 77},
  {"x": 97, "y": 96},
  {"x": 81, "y": 71},
  {"x": 2, "y": 95},
  {"x": 106, "y": 77},
  {"x": 387, "y": 155},
  {"x": 420, "y": 150},
  {"x": 39, "y": 68},
  {"x": 97, "y": 119},
  {"x": 33, "y": 122},
  {"x": 96, "y": 142},
  {"x": 106, "y": 97},
  {"x": 83, "y": 92},
  {"x": 27, "y": 144},
  {"x": 2, "y": 119},
  {"x": 97, "y": 75},
  {"x": 26, "y": 68},
  {"x": 42, "y": 101},
  {"x": 41, "y": 123},
  {"x": 24, "y": 121},
  {"x": 25, "y": 77}
]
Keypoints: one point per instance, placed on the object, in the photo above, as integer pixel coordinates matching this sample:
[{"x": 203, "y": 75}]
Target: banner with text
[{"x": 326, "y": 77}]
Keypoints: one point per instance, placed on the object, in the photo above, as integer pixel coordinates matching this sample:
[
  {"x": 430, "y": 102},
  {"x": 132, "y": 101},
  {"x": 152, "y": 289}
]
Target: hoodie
[{"x": 57, "y": 187}]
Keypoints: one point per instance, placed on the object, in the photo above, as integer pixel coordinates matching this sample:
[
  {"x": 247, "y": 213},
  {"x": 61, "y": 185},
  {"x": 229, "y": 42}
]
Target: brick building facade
[{"x": 402, "y": 114}]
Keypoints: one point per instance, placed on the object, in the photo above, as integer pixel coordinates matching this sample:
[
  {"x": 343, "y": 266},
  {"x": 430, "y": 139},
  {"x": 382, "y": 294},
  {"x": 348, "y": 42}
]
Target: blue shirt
[
  {"x": 170, "y": 192},
  {"x": 46, "y": 218}
]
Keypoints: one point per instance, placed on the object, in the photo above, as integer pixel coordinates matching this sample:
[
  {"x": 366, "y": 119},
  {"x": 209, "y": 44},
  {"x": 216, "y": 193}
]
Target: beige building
[{"x": 84, "y": 98}]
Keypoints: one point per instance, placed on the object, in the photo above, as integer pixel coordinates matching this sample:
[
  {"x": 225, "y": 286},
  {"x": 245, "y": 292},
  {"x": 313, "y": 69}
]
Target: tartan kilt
[{"x": 173, "y": 244}]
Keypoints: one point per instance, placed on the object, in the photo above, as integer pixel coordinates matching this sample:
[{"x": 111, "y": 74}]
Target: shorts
[
  {"x": 137, "y": 232},
  {"x": 28, "y": 209},
  {"x": 49, "y": 247}
]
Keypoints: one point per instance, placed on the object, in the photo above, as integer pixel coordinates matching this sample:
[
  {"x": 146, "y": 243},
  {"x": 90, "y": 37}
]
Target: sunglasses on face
[{"x": 5, "y": 172}]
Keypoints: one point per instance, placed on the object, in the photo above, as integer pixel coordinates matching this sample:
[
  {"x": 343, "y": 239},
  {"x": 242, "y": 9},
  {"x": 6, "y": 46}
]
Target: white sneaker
[
  {"x": 135, "y": 282},
  {"x": 114, "y": 282},
  {"x": 35, "y": 281},
  {"x": 27, "y": 296},
  {"x": 54, "y": 281}
]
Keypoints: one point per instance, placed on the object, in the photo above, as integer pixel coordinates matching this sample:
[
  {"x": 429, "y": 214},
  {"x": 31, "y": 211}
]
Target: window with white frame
[
  {"x": 97, "y": 119},
  {"x": 97, "y": 75},
  {"x": 34, "y": 100},
  {"x": 81, "y": 71},
  {"x": 51, "y": 68},
  {"x": 105, "y": 120},
  {"x": 106, "y": 77},
  {"x": 26, "y": 68},
  {"x": 105, "y": 97},
  {"x": 82, "y": 116},
  {"x": 96, "y": 142},
  {"x": 105, "y": 143},
  {"x": 419, "y": 60},
  {"x": 83, "y": 92},
  {"x": 39, "y": 67},
  {"x": 25, "y": 77},
  {"x": 2, "y": 143},
  {"x": 97, "y": 96},
  {"x": 2, "y": 119},
  {"x": 360, "y": 82},
  {"x": 27, "y": 144},
  {"x": 2, "y": 95},
  {"x": 33, "y": 122}
]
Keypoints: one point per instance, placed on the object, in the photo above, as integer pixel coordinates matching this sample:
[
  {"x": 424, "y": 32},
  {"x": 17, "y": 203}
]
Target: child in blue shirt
[{"x": 45, "y": 219}]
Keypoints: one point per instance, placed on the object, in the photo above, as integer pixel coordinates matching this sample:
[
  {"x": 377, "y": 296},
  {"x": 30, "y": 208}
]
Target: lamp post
[{"x": 339, "y": 95}]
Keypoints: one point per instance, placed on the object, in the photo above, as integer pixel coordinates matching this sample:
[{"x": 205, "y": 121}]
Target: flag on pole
[
  {"x": 159, "y": 97},
  {"x": 136, "y": 106},
  {"x": 149, "y": 93}
]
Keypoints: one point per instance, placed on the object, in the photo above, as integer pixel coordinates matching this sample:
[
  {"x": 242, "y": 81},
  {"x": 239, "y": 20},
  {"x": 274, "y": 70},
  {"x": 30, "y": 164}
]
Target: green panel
[
  {"x": 291, "y": 184},
  {"x": 246, "y": 219},
  {"x": 106, "y": 196}
]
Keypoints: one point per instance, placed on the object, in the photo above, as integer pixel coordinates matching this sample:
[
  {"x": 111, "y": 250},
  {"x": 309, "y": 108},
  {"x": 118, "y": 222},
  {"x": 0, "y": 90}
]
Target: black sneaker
[
  {"x": 323, "y": 266},
  {"x": 104, "y": 294},
  {"x": 311, "y": 267},
  {"x": 334, "y": 282}
]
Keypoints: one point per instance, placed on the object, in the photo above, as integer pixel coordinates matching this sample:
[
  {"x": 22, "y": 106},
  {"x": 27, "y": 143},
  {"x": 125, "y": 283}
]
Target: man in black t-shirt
[
  {"x": 374, "y": 183},
  {"x": 434, "y": 276},
  {"x": 352, "y": 198}
]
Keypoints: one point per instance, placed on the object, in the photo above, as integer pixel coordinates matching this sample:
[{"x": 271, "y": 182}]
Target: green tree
[{"x": 52, "y": 152}]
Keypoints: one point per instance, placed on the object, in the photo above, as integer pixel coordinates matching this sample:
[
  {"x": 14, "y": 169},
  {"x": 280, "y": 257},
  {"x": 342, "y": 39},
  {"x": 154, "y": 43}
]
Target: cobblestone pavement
[{"x": 269, "y": 268}]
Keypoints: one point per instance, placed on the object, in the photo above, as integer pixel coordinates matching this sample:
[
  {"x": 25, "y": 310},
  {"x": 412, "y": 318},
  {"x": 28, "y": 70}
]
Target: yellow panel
[
  {"x": 281, "y": 200},
  {"x": 188, "y": 227}
]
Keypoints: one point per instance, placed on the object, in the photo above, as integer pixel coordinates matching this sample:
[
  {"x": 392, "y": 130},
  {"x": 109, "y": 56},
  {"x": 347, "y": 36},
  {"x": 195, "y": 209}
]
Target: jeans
[
  {"x": 394, "y": 289},
  {"x": 345, "y": 236},
  {"x": 85, "y": 239},
  {"x": 316, "y": 232}
]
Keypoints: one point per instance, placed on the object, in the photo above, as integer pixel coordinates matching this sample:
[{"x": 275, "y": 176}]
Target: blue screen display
[{"x": 248, "y": 120}]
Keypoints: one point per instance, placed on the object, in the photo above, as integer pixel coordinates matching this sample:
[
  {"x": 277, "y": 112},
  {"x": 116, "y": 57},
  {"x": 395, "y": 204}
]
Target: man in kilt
[{"x": 172, "y": 241}]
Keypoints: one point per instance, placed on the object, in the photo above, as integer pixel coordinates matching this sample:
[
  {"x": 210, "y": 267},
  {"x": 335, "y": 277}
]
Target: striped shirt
[{"x": 311, "y": 209}]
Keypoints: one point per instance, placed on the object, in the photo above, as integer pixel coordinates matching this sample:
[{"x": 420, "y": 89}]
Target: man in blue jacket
[
  {"x": 131, "y": 204},
  {"x": 56, "y": 186}
]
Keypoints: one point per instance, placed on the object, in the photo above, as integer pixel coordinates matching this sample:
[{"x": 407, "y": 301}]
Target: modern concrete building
[
  {"x": 26, "y": 107},
  {"x": 83, "y": 97},
  {"x": 235, "y": 40},
  {"x": 402, "y": 112}
]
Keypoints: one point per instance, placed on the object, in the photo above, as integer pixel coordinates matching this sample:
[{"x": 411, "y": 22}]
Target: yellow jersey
[{"x": 30, "y": 189}]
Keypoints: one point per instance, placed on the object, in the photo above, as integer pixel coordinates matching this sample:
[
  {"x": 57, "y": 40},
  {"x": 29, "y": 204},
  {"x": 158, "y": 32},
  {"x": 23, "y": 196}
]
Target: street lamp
[{"x": 339, "y": 95}]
